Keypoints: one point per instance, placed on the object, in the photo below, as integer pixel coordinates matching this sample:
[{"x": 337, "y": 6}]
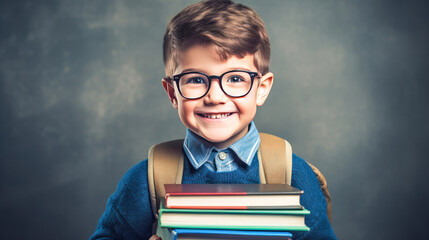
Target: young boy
[{"x": 216, "y": 56}]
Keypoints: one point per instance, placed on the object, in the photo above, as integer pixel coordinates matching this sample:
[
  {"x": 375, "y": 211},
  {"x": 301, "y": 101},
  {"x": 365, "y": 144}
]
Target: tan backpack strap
[
  {"x": 275, "y": 159},
  {"x": 324, "y": 186},
  {"x": 261, "y": 168},
  {"x": 167, "y": 169}
]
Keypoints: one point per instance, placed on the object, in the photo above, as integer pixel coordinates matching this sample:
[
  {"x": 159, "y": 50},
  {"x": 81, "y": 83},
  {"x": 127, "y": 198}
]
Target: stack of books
[{"x": 230, "y": 211}]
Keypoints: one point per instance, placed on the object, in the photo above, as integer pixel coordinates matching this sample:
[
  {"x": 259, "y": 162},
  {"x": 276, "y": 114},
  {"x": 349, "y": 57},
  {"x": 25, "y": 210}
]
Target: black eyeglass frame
[{"x": 177, "y": 77}]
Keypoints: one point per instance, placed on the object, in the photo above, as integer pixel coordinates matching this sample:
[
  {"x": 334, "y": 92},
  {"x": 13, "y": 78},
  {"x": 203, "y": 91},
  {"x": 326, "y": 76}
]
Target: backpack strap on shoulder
[
  {"x": 275, "y": 159},
  {"x": 168, "y": 168}
]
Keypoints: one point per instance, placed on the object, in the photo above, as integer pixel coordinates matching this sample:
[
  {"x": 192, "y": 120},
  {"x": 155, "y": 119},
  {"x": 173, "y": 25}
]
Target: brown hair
[{"x": 233, "y": 29}]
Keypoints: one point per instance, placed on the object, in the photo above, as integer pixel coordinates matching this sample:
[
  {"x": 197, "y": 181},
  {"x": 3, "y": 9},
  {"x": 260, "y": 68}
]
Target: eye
[
  {"x": 195, "y": 80},
  {"x": 235, "y": 79}
]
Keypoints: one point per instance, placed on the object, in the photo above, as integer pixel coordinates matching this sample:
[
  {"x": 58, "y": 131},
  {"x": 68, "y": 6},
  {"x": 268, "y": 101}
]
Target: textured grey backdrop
[{"x": 81, "y": 102}]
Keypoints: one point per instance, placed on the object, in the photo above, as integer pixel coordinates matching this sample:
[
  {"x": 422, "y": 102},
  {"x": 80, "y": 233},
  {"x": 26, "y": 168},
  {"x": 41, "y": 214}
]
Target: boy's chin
[{"x": 219, "y": 139}]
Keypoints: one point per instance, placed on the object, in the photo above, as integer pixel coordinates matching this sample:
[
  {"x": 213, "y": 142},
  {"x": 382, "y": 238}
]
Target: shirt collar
[{"x": 198, "y": 149}]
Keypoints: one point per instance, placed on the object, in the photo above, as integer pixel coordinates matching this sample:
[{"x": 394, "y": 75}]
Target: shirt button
[{"x": 222, "y": 155}]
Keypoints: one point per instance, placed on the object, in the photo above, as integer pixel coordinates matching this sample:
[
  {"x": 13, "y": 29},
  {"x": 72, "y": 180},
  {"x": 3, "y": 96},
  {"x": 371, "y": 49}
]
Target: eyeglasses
[{"x": 235, "y": 83}]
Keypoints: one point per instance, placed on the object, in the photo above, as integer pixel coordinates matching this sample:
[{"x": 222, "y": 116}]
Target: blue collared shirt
[{"x": 202, "y": 153}]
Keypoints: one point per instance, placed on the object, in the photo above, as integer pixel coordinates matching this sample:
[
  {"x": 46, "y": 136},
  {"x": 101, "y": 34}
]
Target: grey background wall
[{"x": 81, "y": 102}]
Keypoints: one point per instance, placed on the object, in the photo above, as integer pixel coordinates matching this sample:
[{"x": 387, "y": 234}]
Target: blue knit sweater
[{"x": 128, "y": 213}]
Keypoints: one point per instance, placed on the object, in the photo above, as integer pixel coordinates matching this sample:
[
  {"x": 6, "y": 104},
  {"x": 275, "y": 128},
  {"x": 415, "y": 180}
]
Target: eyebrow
[{"x": 227, "y": 70}]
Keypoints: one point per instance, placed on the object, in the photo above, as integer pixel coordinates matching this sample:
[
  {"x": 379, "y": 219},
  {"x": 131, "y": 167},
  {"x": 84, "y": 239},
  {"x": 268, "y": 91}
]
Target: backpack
[{"x": 275, "y": 167}]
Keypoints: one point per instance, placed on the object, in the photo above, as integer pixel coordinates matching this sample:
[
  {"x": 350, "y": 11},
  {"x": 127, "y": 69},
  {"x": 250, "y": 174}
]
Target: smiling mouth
[{"x": 215, "y": 115}]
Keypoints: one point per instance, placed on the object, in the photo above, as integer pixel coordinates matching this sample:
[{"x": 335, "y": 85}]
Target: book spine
[
  {"x": 208, "y": 193},
  {"x": 209, "y": 207},
  {"x": 265, "y": 228}
]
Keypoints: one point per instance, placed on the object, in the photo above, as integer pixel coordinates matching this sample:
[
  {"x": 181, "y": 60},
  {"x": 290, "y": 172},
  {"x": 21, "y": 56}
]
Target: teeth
[{"x": 216, "y": 116}]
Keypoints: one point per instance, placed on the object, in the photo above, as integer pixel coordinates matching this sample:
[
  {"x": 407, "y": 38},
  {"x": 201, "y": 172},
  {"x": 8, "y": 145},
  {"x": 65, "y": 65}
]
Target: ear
[
  {"x": 264, "y": 88},
  {"x": 169, "y": 88}
]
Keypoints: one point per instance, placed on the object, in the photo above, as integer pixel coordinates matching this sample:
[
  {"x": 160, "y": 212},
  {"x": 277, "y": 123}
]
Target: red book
[{"x": 232, "y": 196}]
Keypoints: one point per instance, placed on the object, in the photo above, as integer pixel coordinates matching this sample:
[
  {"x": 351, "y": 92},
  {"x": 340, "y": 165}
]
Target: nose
[{"x": 215, "y": 94}]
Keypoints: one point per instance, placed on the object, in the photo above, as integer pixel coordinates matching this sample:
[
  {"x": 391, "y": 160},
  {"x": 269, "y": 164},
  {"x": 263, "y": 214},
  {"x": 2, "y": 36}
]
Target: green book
[{"x": 280, "y": 220}]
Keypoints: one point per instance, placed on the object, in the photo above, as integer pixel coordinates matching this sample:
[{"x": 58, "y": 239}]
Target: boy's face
[{"x": 216, "y": 117}]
